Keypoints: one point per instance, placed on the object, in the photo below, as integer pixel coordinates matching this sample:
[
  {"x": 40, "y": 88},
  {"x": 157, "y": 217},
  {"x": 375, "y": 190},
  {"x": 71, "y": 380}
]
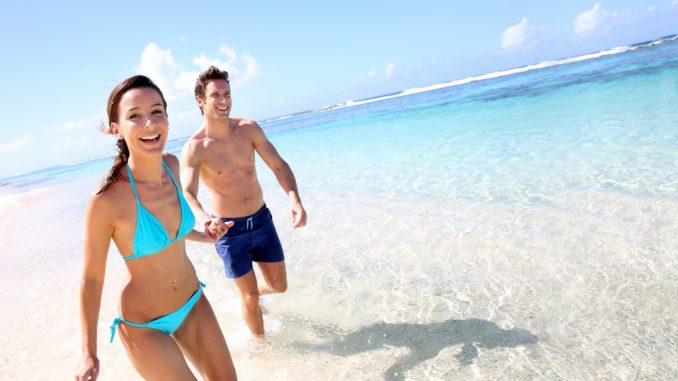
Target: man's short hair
[{"x": 210, "y": 74}]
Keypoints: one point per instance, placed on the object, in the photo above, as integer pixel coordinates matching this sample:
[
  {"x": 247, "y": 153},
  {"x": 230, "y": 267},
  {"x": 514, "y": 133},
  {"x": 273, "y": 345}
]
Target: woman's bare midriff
[{"x": 158, "y": 284}]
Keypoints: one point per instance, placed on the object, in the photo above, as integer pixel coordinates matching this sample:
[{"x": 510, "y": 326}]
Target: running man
[{"x": 221, "y": 154}]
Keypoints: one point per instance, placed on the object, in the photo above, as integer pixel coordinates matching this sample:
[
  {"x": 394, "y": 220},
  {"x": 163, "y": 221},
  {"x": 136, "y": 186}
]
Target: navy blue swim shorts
[{"x": 252, "y": 238}]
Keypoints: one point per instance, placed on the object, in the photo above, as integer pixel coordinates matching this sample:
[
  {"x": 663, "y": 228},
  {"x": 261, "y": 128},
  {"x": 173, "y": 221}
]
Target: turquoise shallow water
[
  {"x": 520, "y": 227},
  {"x": 608, "y": 123}
]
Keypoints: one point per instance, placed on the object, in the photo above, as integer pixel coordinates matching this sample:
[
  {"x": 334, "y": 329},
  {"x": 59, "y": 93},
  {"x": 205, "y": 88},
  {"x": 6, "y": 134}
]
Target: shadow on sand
[{"x": 424, "y": 341}]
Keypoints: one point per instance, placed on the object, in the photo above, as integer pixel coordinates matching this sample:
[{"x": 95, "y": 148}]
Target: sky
[{"x": 60, "y": 60}]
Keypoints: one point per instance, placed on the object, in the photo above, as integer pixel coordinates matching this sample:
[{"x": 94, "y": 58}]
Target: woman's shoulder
[
  {"x": 102, "y": 206},
  {"x": 172, "y": 162},
  {"x": 116, "y": 193},
  {"x": 170, "y": 159}
]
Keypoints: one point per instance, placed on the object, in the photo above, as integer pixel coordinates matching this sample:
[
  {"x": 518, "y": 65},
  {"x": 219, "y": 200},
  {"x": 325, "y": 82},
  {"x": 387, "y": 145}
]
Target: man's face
[{"x": 217, "y": 100}]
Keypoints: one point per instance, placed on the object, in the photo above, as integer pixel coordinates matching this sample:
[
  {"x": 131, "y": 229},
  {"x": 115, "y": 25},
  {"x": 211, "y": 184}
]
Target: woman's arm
[
  {"x": 98, "y": 233},
  {"x": 205, "y": 236}
]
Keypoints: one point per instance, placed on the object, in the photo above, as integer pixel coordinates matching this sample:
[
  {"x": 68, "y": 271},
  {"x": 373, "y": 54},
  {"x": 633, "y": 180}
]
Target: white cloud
[
  {"x": 184, "y": 83},
  {"x": 65, "y": 143},
  {"x": 177, "y": 82},
  {"x": 86, "y": 145},
  {"x": 159, "y": 65},
  {"x": 374, "y": 75},
  {"x": 517, "y": 35},
  {"x": 252, "y": 70},
  {"x": 203, "y": 62},
  {"x": 16, "y": 144},
  {"x": 92, "y": 122},
  {"x": 674, "y": 3},
  {"x": 652, "y": 8},
  {"x": 390, "y": 67},
  {"x": 230, "y": 53},
  {"x": 74, "y": 141},
  {"x": 593, "y": 20},
  {"x": 184, "y": 123}
]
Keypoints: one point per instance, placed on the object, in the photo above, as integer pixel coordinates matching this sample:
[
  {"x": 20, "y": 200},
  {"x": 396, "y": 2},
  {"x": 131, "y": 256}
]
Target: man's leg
[
  {"x": 275, "y": 276},
  {"x": 249, "y": 298},
  {"x": 268, "y": 253}
]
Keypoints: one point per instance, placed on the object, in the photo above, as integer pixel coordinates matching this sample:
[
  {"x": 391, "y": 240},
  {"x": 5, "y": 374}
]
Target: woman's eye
[{"x": 134, "y": 116}]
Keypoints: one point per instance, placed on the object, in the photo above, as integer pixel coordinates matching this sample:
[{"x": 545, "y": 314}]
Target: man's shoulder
[
  {"x": 244, "y": 123},
  {"x": 197, "y": 141},
  {"x": 247, "y": 127},
  {"x": 194, "y": 148},
  {"x": 198, "y": 136}
]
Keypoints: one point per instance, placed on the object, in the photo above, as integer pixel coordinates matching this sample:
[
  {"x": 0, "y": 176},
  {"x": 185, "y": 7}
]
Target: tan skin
[
  {"x": 221, "y": 154},
  {"x": 160, "y": 283}
]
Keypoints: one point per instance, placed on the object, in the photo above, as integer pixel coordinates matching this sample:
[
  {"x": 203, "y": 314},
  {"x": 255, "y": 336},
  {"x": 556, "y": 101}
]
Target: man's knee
[
  {"x": 279, "y": 285},
  {"x": 250, "y": 299}
]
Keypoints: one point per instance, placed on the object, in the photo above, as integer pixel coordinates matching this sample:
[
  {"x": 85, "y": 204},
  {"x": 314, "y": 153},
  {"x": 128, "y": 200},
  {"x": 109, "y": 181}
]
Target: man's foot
[{"x": 258, "y": 344}]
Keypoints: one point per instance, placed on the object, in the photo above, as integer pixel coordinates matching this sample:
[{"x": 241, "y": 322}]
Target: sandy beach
[{"x": 450, "y": 292}]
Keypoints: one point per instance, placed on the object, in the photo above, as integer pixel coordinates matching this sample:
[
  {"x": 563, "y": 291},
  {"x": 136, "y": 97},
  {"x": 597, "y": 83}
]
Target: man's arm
[
  {"x": 190, "y": 178},
  {"x": 191, "y": 157},
  {"x": 282, "y": 171}
]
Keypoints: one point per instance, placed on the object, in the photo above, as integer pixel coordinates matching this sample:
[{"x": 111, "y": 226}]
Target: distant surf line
[{"x": 482, "y": 77}]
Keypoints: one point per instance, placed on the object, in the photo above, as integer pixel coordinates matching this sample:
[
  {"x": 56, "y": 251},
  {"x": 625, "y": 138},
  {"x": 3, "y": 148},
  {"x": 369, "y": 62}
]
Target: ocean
[{"x": 516, "y": 225}]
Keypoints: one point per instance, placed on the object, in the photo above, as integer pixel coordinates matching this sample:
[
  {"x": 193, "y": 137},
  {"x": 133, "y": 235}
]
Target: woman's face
[{"x": 142, "y": 121}]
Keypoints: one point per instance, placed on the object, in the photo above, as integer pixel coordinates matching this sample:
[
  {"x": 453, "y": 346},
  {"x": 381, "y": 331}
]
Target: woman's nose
[{"x": 150, "y": 121}]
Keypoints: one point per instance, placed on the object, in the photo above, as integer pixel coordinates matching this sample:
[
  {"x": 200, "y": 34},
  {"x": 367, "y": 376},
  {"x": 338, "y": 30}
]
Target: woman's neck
[{"x": 146, "y": 169}]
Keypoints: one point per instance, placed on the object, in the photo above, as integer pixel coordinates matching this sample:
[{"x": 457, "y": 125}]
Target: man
[{"x": 221, "y": 154}]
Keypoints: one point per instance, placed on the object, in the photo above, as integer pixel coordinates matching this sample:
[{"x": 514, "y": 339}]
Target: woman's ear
[{"x": 115, "y": 130}]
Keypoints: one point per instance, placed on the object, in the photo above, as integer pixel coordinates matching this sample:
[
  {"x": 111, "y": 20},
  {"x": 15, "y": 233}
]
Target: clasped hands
[{"x": 216, "y": 228}]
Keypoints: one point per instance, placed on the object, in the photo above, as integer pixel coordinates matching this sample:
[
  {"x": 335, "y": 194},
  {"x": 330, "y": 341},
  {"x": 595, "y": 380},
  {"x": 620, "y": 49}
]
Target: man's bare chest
[{"x": 229, "y": 155}]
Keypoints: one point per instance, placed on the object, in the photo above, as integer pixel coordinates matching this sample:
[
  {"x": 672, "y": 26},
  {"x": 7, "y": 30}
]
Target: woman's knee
[{"x": 225, "y": 372}]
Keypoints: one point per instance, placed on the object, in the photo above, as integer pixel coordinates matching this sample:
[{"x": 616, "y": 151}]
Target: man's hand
[
  {"x": 216, "y": 228},
  {"x": 297, "y": 215}
]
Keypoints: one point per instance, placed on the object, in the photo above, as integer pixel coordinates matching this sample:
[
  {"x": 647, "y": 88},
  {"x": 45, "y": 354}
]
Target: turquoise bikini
[{"x": 150, "y": 238}]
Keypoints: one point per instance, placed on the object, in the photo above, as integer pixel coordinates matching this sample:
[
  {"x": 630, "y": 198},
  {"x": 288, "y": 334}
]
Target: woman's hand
[
  {"x": 214, "y": 230},
  {"x": 216, "y": 227},
  {"x": 88, "y": 370}
]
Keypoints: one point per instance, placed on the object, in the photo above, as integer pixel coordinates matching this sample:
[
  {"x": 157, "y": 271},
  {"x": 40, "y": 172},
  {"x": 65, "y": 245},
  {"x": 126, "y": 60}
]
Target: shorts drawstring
[{"x": 250, "y": 224}]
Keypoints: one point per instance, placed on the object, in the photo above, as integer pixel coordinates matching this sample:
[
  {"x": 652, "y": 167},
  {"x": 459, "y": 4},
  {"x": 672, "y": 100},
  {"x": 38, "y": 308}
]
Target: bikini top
[{"x": 150, "y": 236}]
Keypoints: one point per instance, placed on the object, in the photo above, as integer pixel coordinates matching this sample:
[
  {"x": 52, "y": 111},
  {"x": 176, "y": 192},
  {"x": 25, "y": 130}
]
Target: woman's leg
[
  {"x": 202, "y": 341},
  {"x": 154, "y": 354}
]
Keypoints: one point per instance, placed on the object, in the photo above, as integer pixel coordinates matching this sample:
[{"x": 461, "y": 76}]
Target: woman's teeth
[{"x": 153, "y": 138}]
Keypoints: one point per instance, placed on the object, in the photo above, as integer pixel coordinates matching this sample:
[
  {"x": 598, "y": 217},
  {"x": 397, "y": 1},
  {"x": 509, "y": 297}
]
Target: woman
[{"x": 163, "y": 312}]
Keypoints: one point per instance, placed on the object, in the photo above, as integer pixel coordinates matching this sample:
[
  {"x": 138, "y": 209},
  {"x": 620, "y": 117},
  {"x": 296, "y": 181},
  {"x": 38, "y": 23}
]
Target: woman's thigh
[
  {"x": 201, "y": 339},
  {"x": 154, "y": 354}
]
